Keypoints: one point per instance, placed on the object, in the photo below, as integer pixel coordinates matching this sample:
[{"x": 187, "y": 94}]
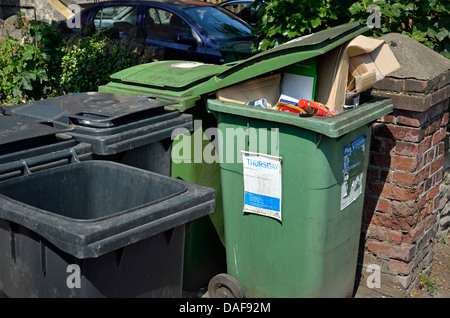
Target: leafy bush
[
  {"x": 427, "y": 21},
  {"x": 43, "y": 64},
  {"x": 90, "y": 61},
  {"x": 287, "y": 19},
  {"x": 29, "y": 67}
]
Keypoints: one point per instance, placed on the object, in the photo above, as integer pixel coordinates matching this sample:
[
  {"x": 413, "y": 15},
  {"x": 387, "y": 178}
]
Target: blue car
[{"x": 188, "y": 30}]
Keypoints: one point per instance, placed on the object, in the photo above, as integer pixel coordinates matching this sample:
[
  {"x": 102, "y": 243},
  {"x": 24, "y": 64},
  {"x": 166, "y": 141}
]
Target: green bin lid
[{"x": 191, "y": 80}]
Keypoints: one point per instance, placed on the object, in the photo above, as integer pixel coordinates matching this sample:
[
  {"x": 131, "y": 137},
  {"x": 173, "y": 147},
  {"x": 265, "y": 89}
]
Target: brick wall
[
  {"x": 405, "y": 173},
  {"x": 444, "y": 220}
]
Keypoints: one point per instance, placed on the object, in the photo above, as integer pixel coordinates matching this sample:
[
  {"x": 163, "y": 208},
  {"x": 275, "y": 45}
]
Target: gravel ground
[{"x": 436, "y": 283}]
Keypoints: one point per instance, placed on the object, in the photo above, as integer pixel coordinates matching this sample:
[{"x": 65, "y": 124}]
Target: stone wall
[
  {"x": 405, "y": 174},
  {"x": 32, "y": 9}
]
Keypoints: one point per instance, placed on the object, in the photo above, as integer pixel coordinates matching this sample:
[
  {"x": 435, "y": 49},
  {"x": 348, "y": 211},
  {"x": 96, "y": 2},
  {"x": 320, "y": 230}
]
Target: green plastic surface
[
  {"x": 191, "y": 86},
  {"x": 312, "y": 251}
]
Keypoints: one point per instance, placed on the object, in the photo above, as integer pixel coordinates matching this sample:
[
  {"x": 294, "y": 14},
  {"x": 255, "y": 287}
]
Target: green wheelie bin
[
  {"x": 298, "y": 235},
  {"x": 194, "y": 84},
  {"x": 178, "y": 81},
  {"x": 292, "y": 187}
]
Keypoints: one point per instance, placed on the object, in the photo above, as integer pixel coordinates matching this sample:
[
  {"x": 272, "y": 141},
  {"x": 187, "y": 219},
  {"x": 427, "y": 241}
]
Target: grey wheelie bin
[
  {"x": 87, "y": 228},
  {"x": 138, "y": 131},
  {"x": 126, "y": 129}
]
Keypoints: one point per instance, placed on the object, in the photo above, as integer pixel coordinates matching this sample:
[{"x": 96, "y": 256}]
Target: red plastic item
[{"x": 315, "y": 108}]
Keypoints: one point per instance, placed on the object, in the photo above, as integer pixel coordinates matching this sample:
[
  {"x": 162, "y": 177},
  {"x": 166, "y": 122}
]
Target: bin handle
[{"x": 23, "y": 165}]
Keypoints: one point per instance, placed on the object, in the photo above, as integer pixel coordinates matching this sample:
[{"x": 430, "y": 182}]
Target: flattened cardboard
[
  {"x": 264, "y": 87},
  {"x": 354, "y": 66}
]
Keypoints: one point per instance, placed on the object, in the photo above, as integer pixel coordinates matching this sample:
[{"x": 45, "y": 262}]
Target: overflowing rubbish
[{"x": 323, "y": 86}]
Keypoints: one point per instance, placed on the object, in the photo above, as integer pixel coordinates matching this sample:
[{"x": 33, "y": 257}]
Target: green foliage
[
  {"x": 90, "y": 62},
  {"x": 28, "y": 67},
  {"x": 427, "y": 21},
  {"x": 286, "y": 19},
  {"x": 427, "y": 282},
  {"x": 42, "y": 64}
]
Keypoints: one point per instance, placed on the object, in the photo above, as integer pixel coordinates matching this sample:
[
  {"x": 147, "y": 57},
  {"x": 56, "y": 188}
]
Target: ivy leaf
[{"x": 315, "y": 22}]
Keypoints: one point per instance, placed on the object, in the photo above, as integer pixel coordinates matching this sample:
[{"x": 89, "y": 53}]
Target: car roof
[
  {"x": 231, "y": 1},
  {"x": 175, "y": 2}
]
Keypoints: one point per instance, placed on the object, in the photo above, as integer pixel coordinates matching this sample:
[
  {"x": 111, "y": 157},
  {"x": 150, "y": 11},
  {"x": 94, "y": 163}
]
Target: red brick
[
  {"x": 409, "y": 179},
  {"x": 410, "y": 222},
  {"x": 406, "y": 133},
  {"x": 439, "y": 135},
  {"x": 437, "y": 164},
  {"x": 401, "y": 252},
  {"x": 433, "y": 127},
  {"x": 400, "y": 267},
  {"x": 441, "y": 148},
  {"x": 430, "y": 220},
  {"x": 412, "y": 236},
  {"x": 413, "y": 119},
  {"x": 385, "y": 221},
  {"x": 402, "y": 209},
  {"x": 388, "y": 119},
  {"x": 412, "y": 149},
  {"x": 378, "y": 233},
  {"x": 401, "y": 194},
  {"x": 428, "y": 156},
  {"x": 445, "y": 119},
  {"x": 437, "y": 177},
  {"x": 434, "y": 191},
  {"x": 383, "y": 205},
  {"x": 405, "y": 163},
  {"x": 395, "y": 237}
]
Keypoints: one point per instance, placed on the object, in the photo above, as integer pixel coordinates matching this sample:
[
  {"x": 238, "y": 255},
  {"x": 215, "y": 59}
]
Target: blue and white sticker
[
  {"x": 262, "y": 184},
  {"x": 351, "y": 191}
]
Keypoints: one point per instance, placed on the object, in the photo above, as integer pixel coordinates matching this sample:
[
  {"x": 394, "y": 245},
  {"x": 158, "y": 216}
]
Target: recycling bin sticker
[
  {"x": 262, "y": 184},
  {"x": 351, "y": 187}
]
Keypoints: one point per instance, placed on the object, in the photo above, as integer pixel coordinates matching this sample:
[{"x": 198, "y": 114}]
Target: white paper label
[{"x": 262, "y": 184}]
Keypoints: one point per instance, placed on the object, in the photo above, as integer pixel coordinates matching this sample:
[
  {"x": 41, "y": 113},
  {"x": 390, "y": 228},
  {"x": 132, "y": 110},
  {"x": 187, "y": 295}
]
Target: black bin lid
[
  {"x": 92, "y": 109},
  {"x": 111, "y": 123},
  {"x": 15, "y": 130}
]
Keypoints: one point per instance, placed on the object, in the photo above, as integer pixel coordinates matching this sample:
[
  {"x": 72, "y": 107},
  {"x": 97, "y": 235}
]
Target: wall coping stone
[{"x": 423, "y": 79}]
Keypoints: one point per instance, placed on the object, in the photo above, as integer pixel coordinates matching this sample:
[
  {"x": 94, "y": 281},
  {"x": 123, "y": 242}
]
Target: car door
[{"x": 166, "y": 28}]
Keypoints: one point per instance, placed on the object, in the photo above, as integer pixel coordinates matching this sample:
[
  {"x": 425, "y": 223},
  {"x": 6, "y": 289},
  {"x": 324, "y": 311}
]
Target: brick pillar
[{"x": 401, "y": 212}]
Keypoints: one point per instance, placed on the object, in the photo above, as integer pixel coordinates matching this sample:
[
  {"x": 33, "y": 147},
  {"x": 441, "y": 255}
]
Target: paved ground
[{"x": 435, "y": 284}]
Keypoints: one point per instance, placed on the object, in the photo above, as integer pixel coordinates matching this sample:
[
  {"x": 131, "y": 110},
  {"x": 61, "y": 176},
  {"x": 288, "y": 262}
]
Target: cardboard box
[
  {"x": 354, "y": 66},
  {"x": 267, "y": 87},
  {"x": 370, "y": 61}
]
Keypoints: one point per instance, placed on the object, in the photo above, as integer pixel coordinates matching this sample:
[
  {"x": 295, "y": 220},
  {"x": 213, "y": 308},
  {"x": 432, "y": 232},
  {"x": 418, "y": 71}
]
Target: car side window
[
  {"x": 117, "y": 16},
  {"x": 244, "y": 10},
  {"x": 163, "y": 25}
]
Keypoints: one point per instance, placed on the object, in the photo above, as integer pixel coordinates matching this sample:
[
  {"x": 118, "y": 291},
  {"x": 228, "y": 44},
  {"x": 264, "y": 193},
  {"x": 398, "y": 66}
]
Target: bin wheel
[{"x": 225, "y": 286}]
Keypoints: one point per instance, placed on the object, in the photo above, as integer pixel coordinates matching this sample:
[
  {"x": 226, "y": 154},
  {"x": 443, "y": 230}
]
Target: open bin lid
[
  {"x": 187, "y": 81},
  {"x": 111, "y": 123}
]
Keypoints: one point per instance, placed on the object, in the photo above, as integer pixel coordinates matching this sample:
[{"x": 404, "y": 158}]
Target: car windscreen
[{"x": 219, "y": 25}]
